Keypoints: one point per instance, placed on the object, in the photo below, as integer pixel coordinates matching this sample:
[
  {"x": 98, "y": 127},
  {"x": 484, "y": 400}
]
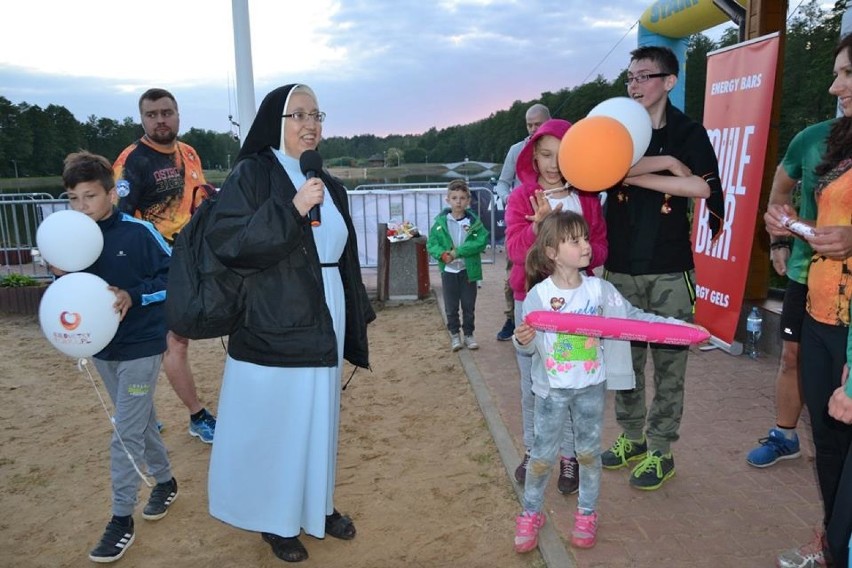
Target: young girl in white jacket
[{"x": 569, "y": 372}]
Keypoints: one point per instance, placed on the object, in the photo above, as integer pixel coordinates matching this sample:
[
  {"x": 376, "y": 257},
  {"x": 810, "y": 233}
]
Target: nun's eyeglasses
[{"x": 300, "y": 116}]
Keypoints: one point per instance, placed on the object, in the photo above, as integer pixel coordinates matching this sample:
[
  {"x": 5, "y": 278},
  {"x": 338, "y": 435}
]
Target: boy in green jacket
[{"x": 456, "y": 240}]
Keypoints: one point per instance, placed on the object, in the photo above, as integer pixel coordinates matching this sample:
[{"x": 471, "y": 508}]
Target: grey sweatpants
[{"x": 131, "y": 385}]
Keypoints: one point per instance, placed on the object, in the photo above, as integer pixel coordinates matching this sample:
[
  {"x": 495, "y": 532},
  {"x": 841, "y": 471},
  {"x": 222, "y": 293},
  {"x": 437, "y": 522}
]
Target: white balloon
[
  {"x": 633, "y": 116},
  {"x": 69, "y": 240},
  {"x": 77, "y": 314}
]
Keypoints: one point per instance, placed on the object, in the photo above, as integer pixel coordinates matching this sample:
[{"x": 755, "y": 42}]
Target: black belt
[{"x": 328, "y": 264}]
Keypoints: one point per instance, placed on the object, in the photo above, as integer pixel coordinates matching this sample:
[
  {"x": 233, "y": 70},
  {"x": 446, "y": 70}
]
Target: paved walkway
[{"x": 716, "y": 512}]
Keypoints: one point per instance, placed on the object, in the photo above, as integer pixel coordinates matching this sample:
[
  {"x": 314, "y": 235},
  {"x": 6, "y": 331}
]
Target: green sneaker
[
  {"x": 651, "y": 472},
  {"x": 623, "y": 451}
]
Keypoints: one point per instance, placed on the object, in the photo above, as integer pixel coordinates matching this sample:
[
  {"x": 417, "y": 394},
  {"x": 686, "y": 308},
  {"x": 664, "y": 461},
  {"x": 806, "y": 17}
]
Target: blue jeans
[
  {"x": 528, "y": 398},
  {"x": 585, "y": 409}
]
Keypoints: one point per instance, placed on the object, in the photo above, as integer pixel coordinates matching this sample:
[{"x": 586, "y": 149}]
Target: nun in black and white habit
[{"x": 273, "y": 463}]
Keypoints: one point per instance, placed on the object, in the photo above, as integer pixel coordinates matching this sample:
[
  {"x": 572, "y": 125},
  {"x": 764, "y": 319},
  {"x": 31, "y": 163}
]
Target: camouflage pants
[
  {"x": 671, "y": 295},
  {"x": 509, "y": 294}
]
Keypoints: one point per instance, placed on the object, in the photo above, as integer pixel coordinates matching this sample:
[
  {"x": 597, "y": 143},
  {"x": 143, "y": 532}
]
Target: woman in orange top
[{"x": 825, "y": 336}]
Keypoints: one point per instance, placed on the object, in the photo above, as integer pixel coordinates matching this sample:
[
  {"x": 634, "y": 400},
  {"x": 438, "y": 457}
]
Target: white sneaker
[
  {"x": 810, "y": 555},
  {"x": 470, "y": 342},
  {"x": 455, "y": 342}
]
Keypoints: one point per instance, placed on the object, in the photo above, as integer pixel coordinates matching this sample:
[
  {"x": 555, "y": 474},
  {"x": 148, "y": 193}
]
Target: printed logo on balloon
[
  {"x": 69, "y": 320},
  {"x": 77, "y": 314}
]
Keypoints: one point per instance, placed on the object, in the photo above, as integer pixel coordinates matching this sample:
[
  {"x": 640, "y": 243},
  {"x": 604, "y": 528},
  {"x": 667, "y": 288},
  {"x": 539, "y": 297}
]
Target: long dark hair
[
  {"x": 839, "y": 144},
  {"x": 557, "y": 227}
]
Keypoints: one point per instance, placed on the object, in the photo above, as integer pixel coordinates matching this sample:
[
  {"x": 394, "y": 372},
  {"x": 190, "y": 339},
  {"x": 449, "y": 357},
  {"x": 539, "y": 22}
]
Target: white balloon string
[
  {"x": 565, "y": 187},
  {"x": 83, "y": 364}
]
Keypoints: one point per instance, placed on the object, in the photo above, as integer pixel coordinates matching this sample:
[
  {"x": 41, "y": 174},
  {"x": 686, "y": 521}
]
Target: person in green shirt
[{"x": 791, "y": 257}]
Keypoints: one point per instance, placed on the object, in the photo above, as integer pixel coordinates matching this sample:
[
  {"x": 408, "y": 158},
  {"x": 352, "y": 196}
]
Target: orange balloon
[{"x": 595, "y": 153}]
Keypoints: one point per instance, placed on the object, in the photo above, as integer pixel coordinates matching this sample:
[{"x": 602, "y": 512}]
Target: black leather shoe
[
  {"x": 287, "y": 549},
  {"x": 339, "y": 526}
]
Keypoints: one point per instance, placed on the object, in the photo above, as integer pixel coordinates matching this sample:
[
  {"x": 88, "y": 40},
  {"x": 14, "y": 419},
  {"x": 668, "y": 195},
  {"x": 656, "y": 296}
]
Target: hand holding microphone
[{"x": 311, "y": 165}]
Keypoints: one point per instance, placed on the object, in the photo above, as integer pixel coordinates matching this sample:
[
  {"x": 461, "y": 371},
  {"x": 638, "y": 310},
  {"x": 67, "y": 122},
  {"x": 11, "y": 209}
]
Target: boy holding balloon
[
  {"x": 134, "y": 262},
  {"x": 650, "y": 259}
]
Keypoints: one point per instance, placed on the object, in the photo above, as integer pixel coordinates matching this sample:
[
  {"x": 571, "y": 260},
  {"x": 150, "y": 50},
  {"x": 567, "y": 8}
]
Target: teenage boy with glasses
[{"x": 650, "y": 260}]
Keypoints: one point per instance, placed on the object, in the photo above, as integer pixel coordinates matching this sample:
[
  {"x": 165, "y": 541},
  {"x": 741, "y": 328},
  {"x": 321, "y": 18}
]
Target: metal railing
[
  {"x": 418, "y": 203},
  {"x": 20, "y": 216}
]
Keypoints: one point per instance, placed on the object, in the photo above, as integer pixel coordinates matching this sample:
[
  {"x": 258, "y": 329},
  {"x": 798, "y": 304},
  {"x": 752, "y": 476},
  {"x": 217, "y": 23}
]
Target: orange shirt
[
  {"x": 156, "y": 184},
  {"x": 830, "y": 281}
]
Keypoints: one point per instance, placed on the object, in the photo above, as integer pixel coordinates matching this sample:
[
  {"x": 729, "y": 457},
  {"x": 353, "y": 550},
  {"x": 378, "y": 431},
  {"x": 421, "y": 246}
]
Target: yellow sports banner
[{"x": 681, "y": 18}]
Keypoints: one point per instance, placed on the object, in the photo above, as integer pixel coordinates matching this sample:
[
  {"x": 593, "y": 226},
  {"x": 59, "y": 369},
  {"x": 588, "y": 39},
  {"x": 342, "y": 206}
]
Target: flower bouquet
[{"x": 401, "y": 231}]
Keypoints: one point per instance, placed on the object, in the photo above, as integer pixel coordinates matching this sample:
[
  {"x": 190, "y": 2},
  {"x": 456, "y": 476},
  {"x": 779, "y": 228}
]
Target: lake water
[{"x": 481, "y": 177}]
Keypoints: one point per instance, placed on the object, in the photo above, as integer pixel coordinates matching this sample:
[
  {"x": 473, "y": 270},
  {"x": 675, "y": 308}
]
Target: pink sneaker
[
  {"x": 585, "y": 532},
  {"x": 526, "y": 531},
  {"x": 810, "y": 555}
]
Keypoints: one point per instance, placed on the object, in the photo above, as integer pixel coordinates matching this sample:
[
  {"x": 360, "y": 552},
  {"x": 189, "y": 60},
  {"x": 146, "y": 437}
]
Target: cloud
[{"x": 378, "y": 66}]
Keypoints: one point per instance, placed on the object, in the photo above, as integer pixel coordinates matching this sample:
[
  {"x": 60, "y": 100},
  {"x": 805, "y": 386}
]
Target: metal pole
[{"x": 246, "y": 109}]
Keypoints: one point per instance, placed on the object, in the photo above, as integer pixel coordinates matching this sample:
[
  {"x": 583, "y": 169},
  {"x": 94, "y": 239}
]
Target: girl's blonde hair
[{"x": 556, "y": 228}]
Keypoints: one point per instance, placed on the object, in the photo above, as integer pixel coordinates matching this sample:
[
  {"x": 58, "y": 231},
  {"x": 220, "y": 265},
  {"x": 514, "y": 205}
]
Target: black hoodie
[{"x": 648, "y": 234}]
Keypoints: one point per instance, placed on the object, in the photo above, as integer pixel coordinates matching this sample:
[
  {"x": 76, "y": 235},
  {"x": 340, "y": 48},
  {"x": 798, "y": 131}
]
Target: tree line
[{"x": 34, "y": 141}]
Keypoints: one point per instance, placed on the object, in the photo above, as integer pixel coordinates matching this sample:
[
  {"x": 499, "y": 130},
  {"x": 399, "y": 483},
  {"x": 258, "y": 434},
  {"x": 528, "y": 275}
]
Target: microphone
[{"x": 311, "y": 164}]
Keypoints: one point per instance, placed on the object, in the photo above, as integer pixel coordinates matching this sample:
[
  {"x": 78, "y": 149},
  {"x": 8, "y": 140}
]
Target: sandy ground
[{"x": 419, "y": 472}]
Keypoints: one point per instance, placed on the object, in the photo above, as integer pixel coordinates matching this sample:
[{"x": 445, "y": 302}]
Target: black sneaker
[
  {"x": 622, "y": 452},
  {"x": 569, "y": 476},
  {"x": 521, "y": 470},
  {"x": 162, "y": 497},
  {"x": 508, "y": 330},
  {"x": 652, "y": 471},
  {"x": 114, "y": 543}
]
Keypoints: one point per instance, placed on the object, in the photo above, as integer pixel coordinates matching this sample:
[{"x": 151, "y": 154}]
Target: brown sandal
[
  {"x": 287, "y": 549},
  {"x": 339, "y": 526}
]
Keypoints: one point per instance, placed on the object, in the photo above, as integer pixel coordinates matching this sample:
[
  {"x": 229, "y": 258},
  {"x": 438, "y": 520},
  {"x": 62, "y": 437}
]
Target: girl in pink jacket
[{"x": 541, "y": 192}]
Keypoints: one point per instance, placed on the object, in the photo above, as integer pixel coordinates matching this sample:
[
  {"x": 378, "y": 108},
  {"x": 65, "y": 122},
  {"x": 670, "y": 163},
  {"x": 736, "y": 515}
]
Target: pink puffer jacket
[{"x": 519, "y": 231}]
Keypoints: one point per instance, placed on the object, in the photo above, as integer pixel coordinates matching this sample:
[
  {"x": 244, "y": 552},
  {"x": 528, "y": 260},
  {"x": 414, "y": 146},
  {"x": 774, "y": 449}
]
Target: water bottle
[{"x": 754, "y": 323}]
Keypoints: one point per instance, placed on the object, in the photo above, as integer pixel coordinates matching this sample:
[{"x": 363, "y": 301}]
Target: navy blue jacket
[{"x": 136, "y": 259}]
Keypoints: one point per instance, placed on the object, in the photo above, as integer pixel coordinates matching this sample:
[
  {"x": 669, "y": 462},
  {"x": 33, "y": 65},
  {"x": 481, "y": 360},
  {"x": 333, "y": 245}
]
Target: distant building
[{"x": 377, "y": 160}]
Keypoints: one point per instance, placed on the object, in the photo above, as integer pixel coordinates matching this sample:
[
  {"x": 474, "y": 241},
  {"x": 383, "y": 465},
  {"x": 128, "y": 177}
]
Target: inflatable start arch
[{"x": 670, "y": 23}]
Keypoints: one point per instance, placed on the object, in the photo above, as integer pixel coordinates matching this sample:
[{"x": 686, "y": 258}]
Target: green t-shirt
[{"x": 803, "y": 155}]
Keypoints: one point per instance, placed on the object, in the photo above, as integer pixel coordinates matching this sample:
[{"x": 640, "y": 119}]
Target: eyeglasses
[
  {"x": 300, "y": 116},
  {"x": 643, "y": 77}
]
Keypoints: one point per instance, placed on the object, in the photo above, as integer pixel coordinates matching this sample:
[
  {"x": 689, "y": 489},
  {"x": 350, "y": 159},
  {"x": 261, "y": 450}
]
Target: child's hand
[
  {"x": 541, "y": 208},
  {"x": 123, "y": 302},
  {"x": 524, "y": 333},
  {"x": 56, "y": 271},
  {"x": 447, "y": 257}
]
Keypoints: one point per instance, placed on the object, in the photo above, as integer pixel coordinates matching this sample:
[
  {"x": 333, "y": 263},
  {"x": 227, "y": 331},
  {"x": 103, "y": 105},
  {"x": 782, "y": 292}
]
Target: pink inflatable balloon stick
[{"x": 616, "y": 328}]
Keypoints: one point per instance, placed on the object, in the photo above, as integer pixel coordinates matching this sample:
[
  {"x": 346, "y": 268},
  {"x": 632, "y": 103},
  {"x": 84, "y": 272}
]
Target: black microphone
[{"x": 311, "y": 164}]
